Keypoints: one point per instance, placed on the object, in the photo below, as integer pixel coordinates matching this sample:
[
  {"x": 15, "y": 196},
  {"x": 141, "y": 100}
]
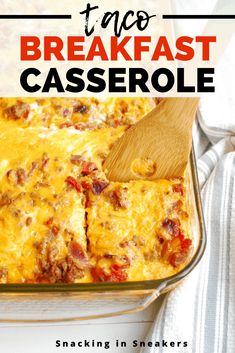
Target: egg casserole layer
[{"x": 61, "y": 220}]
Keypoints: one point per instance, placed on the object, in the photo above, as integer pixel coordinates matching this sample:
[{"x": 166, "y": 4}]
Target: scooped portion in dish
[{"x": 61, "y": 220}]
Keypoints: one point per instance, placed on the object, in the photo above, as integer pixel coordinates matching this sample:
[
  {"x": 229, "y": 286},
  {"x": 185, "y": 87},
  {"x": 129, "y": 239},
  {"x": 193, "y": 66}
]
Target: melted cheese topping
[
  {"x": 60, "y": 218},
  {"x": 82, "y": 113},
  {"x": 132, "y": 227}
]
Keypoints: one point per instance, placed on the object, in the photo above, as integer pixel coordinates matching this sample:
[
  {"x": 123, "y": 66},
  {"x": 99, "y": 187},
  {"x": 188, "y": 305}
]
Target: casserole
[
  {"x": 61, "y": 219},
  {"x": 80, "y": 301}
]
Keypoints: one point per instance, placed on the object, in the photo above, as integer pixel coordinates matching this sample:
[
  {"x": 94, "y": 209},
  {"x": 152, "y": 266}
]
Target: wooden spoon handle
[{"x": 182, "y": 110}]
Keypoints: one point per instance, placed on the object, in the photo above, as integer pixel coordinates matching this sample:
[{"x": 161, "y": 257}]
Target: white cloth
[{"x": 202, "y": 310}]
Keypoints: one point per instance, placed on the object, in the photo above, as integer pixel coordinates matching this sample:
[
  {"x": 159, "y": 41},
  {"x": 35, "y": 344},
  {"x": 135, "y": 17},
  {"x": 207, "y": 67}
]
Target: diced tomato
[
  {"x": 49, "y": 221},
  {"x": 178, "y": 188},
  {"x": 177, "y": 205},
  {"x": 88, "y": 167},
  {"x": 186, "y": 244},
  {"x": 94, "y": 274},
  {"x": 73, "y": 182},
  {"x": 76, "y": 251},
  {"x": 118, "y": 274},
  {"x": 99, "y": 275},
  {"x": 116, "y": 267},
  {"x": 55, "y": 230},
  {"x": 86, "y": 185},
  {"x": 176, "y": 251}
]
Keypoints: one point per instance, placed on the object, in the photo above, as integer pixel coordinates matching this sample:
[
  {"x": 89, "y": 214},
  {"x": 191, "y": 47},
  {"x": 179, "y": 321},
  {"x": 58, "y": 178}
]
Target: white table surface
[{"x": 41, "y": 338}]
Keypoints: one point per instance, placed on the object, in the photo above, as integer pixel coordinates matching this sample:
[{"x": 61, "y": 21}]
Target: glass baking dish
[{"x": 28, "y": 303}]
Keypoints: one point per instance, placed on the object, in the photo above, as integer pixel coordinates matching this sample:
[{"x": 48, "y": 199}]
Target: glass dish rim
[{"x": 148, "y": 285}]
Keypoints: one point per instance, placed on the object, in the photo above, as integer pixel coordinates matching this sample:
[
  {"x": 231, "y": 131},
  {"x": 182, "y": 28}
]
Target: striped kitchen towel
[{"x": 201, "y": 311}]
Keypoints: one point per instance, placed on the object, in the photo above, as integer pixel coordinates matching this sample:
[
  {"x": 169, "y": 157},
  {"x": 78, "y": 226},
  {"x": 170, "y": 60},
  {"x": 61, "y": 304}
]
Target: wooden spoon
[{"x": 158, "y": 146}]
